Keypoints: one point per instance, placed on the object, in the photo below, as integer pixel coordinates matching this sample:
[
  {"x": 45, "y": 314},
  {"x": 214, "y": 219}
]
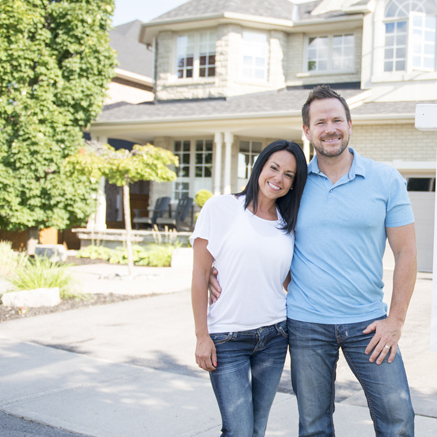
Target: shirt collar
[{"x": 357, "y": 167}]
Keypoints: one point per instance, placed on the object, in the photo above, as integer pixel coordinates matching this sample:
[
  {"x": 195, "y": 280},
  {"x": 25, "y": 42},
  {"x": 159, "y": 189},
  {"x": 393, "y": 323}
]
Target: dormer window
[
  {"x": 410, "y": 35},
  {"x": 255, "y": 56},
  {"x": 195, "y": 54},
  {"x": 330, "y": 53}
]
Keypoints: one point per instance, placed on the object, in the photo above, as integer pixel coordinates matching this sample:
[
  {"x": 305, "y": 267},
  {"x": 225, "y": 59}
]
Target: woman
[{"x": 242, "y": 339}]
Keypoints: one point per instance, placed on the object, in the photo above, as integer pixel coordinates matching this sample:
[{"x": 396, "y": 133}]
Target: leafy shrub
[
  {"x": 10, "y": 261},
  {"x": 201, "y": 197},
  {"x": 94, "y": 252},
  {"x": 42, "y": 273}
]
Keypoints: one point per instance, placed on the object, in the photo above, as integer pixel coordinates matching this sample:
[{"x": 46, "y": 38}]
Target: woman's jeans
[
  {"x": 314, "y": 350},
  {"x": 249, "y": 367}
]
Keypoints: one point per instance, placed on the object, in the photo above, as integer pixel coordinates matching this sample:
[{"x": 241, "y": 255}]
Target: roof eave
[
  {"x": 382, "y": 118},
  {"x": 133, "y": 77},
  {"x": 204, "y": 118},
  {"x": 151, "y": 29}
]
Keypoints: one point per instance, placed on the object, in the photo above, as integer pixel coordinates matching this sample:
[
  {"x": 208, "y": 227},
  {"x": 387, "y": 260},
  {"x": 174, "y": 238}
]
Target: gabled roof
[
  {"x": 282, "y": 9},
  {"x": 251, "y": 105},
  {"x": 132, "y": 55},
  {"x": 376, "y": 109}
]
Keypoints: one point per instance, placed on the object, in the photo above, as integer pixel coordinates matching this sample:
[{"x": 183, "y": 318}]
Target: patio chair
[
  {"x": 161, "y": 205},
  {"x": 178, "y": 220}
]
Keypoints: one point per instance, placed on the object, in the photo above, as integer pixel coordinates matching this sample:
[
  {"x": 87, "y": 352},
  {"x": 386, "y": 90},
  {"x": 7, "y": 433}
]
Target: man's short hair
[{"x": 322, "y": 92}]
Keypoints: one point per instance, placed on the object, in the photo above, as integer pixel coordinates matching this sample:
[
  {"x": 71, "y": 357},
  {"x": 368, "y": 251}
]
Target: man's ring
[{"x": 388, "y": 347}]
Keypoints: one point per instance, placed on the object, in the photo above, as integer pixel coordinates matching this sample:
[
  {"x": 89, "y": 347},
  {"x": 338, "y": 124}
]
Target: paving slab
[
  {"x": 103, "y": 399},
  {"x": 128, "y": 368}
]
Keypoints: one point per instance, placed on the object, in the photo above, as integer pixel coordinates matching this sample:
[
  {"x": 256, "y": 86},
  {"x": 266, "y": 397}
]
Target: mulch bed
[{"x": 10, "y": 313}]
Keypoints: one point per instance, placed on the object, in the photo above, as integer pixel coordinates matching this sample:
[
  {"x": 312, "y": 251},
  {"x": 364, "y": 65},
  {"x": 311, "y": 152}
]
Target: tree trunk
[{"x": 127, "y": 223}]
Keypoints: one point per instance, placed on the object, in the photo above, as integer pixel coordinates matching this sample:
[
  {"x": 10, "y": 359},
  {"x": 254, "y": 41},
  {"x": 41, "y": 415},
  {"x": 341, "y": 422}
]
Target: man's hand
[
  {"x": 387, "y": 334},
  {"x": 206, "y": 356},
  {"x": 214, "y": 287}
]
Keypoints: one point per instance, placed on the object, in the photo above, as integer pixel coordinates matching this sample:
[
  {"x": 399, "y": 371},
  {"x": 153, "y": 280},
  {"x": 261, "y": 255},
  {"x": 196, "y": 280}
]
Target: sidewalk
[{"x": 127, "y": 369}]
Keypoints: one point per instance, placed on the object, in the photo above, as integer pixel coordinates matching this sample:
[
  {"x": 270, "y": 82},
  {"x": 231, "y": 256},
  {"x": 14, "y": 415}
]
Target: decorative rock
[
  {"x": 41, "y": 297},
  {"x": 54, "y": 252}
]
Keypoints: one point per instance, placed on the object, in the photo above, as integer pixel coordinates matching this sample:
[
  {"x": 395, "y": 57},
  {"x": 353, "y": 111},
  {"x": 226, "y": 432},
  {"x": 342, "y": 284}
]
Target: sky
[{"x": 144, "y": 10}]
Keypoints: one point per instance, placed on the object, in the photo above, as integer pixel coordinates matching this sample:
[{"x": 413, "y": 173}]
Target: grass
[
  {"x": 10, "y": 261},
  {"x": 42, "y": 273}
]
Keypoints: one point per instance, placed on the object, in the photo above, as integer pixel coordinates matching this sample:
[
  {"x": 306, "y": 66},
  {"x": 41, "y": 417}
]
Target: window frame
[
  {"x": 192, "y": 180},
  {"x": 330, "y": 36},
  {"x": 379, "y": 73},
  {"x": 196, "y": 56},
  {"x": 246, "y": 79}
]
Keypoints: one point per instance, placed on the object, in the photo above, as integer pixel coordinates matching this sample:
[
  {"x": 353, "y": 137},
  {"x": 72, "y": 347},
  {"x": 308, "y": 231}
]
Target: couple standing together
[{"x": 329, "y": 222}]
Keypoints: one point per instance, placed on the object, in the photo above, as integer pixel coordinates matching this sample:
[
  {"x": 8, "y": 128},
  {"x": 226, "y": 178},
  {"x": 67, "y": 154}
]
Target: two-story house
[{"x": 232, "y": 76}]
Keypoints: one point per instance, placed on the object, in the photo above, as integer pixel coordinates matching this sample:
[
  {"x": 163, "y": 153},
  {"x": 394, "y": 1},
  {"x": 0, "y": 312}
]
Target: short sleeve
[
  {"x": 203, "y": 223},
  {"x": 214, "y": 221},
  {"x": 399, "y": 210}
]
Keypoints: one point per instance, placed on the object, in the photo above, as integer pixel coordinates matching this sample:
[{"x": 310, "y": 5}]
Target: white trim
[
  {"x": 134, "y": 77},
  {"x": 218, "y": 140},
  {"x": 400, "y": 164},
  {"x": 229, "y": 139},
  {"x": 329, "y": 71}
]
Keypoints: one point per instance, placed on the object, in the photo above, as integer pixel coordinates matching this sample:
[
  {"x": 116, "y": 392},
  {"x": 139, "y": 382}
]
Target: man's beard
[{"x": 328, "y": 153}]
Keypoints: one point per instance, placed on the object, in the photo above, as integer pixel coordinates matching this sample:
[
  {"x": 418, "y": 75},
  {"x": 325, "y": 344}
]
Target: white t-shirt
[{"x": 252, "y": 256}]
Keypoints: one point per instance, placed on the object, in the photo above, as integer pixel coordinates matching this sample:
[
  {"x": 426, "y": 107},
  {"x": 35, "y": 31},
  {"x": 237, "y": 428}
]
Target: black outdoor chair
[
  {"x": 161, "y": 205},
  {"x": 178, "y": 220}
]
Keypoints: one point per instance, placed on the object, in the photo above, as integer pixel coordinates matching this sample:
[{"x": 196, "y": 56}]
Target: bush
[
  {"x": 201, "y": 197},
  {"x": 42, "y": 273},
  {"x": 10, "y": 261},
  {"x": 153, "y": 255}
]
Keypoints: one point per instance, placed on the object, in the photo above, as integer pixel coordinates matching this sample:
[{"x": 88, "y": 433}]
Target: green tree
[
  {"x": 122, "y": 167},
  {"x": 56, "y": 64}
]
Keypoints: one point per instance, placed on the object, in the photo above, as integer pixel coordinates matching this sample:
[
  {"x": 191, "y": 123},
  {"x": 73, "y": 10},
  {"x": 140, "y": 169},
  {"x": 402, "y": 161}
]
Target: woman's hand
[{"x": 206, "y": 357}]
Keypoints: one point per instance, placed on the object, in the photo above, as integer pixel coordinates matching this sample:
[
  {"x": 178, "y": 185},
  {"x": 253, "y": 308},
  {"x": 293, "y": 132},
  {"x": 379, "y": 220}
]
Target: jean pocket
[
  {"x": 282, "y": 328},
  {"x": 221, "y": 338}
]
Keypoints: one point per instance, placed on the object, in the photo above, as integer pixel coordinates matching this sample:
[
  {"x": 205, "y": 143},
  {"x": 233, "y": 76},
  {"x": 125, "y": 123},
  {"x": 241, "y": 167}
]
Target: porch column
[
  {"x": 229, "y": 139},
  {"x": 218, "y": 139},
  {"x": 97, "y": 221},
  {"x": 306, "y": 147},
  {"x": 426, "y": 120}
]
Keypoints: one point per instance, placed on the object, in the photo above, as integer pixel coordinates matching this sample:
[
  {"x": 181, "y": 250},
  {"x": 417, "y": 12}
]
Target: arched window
[{"x": 410, "y": 35}]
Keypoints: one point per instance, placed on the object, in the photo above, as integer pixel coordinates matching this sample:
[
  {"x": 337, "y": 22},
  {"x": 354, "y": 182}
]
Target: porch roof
[{"x": 268, "y": 104}]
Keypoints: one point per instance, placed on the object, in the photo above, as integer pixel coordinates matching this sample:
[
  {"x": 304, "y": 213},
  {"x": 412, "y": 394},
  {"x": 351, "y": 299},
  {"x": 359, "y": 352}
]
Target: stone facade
[{"x": 228, "y": 80}]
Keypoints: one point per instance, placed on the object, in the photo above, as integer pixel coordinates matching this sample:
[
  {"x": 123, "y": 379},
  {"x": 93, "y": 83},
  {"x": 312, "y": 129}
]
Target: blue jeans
[
  {"x": 314, "y": 350},
  {"x": 249, "y": 367}
]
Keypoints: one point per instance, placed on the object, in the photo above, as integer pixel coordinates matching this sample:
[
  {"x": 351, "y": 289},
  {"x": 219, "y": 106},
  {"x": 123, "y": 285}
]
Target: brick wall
[{"x": 395, "y": 141}]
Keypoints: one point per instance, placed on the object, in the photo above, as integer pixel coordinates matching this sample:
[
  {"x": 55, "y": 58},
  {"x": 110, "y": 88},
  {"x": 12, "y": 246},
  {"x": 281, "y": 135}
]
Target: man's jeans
[
  {"x": 314, "y": 350},
  {"x": 249, "y": 367}
]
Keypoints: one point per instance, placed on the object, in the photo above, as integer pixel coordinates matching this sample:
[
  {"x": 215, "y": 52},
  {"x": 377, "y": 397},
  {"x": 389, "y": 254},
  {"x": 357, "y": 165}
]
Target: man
[{"x": 350, "y": 206}]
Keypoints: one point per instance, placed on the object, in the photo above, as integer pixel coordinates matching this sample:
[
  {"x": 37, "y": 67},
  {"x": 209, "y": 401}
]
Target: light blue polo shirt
[{"x": 340, "y": 241}]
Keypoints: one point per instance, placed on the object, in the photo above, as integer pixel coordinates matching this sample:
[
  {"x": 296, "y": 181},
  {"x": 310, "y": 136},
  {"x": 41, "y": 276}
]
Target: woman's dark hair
[{"x": 288, "y": 205}]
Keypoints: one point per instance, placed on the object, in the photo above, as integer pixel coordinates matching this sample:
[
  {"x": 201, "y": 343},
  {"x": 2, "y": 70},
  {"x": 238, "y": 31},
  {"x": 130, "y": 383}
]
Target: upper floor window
[
  {"x": 330, "y": 53},
  {"x": 410, "y": 35},
  {"x": 195, "y": 54},
  {"x": 255, "y": 56}
]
